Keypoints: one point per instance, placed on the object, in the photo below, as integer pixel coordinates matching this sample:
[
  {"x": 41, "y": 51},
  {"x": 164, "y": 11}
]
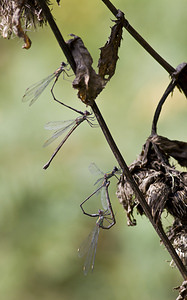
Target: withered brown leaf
[
  {"x": 88, "y": 83},
  {"x": 177, "y": 234},
  {"x": 183, "y": 291},
  {"x": 109, "y": 52},
  {"x": 174, "y": 148},
  {"x": 18, "y": 30}
]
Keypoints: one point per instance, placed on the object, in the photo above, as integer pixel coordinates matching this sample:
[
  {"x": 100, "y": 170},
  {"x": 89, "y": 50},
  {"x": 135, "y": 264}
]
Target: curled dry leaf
[
  {"x": 18, "y": 30},
  {"x": 109, "y": 52},
  {"x": 88, "y": 83},
  {"x": 176, "y": 149}
]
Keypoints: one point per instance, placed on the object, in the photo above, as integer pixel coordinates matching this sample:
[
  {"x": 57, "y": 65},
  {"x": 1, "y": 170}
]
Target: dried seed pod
[
  {"x": 128, "y": 203},
  {"x": 156, "y": 196},
  {"x": 177, "y": 234},
  {"x": 164, "y": 188}
]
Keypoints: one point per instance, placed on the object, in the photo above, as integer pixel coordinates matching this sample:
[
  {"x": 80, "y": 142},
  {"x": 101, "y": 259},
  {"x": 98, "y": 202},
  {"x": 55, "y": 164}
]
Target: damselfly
[
  {"x": 101, "y": 182},
  {"x": 62, "y": 126},
  {"x": 95, "y": 170},
  {"x": 106, "y": 220},
  {"x": 33, "y": 92}
]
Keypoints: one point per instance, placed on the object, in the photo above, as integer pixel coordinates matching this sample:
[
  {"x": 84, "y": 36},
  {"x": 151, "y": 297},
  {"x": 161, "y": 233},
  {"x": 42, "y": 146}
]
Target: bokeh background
[{"x": 41, "y": 224}]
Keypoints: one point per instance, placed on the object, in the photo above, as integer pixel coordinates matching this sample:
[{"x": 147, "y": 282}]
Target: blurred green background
[{"x": 41, "y": 224}]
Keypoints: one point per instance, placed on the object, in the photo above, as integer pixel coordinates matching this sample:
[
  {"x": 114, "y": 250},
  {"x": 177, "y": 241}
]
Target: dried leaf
[
  {"x": 177, "y": 234},
  {"x": 88, "y": 83},
  {"x": 176, "y": 149},
  {"x": 182, "y": 291},
  {"x": 109, "y": 52},
  {"x": 17, "y": 28}
]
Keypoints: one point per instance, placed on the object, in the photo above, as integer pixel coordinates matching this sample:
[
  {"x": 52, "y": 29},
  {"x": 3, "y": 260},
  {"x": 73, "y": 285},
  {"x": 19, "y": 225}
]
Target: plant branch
[
  {"x": 112, "y": 144},
  {"x": 169, "y": 89},
  {"x": 140, "y": 39}
]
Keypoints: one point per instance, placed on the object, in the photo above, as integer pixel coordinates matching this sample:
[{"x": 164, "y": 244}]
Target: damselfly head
[
  {"x": 63, "y": 65},
  {"x": 115, "y": 169},
  {"x": 87, "y": 113},
  {"x": 100, "y": 212}
]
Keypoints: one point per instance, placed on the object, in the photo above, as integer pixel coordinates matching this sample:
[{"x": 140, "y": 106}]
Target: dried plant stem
[
  {"x": 169, "y": 89},
  {"x": 158, "y": 228},
  {"x": 140, "y": 40}
]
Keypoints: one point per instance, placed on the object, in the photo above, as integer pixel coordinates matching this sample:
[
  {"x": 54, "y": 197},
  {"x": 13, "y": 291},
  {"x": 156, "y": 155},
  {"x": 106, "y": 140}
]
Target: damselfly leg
[
  {"x": 108, "y": 210},
  {"x": 60, "y": 102},
  {"x": 105, "y": 220},
  {"x": 101, "y": 182}
]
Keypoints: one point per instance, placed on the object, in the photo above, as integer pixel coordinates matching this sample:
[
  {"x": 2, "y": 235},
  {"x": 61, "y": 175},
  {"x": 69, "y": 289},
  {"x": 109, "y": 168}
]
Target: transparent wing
[
  {"x": 93, "y": 168},
  {"x": 89, "y": 246},
  {"x": 104, "y": 200},
  {"x": 61, "y": 128},
  {"x": 34, "y": 91},
  {"x": 56, "y": 125},
  {"x": 84, "y": 247}
]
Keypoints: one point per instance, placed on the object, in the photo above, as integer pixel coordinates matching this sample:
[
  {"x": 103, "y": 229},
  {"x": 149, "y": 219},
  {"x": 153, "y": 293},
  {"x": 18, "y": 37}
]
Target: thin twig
[
  {"x": 140, "y": 39},
  {"x": 169, "y": 89},
  {"x": 158, "y": 228}
]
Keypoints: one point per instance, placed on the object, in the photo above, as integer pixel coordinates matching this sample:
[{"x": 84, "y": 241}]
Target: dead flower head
[
  {"x": 17, "y": 16},
  {"x": 163, "y": 186}
]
